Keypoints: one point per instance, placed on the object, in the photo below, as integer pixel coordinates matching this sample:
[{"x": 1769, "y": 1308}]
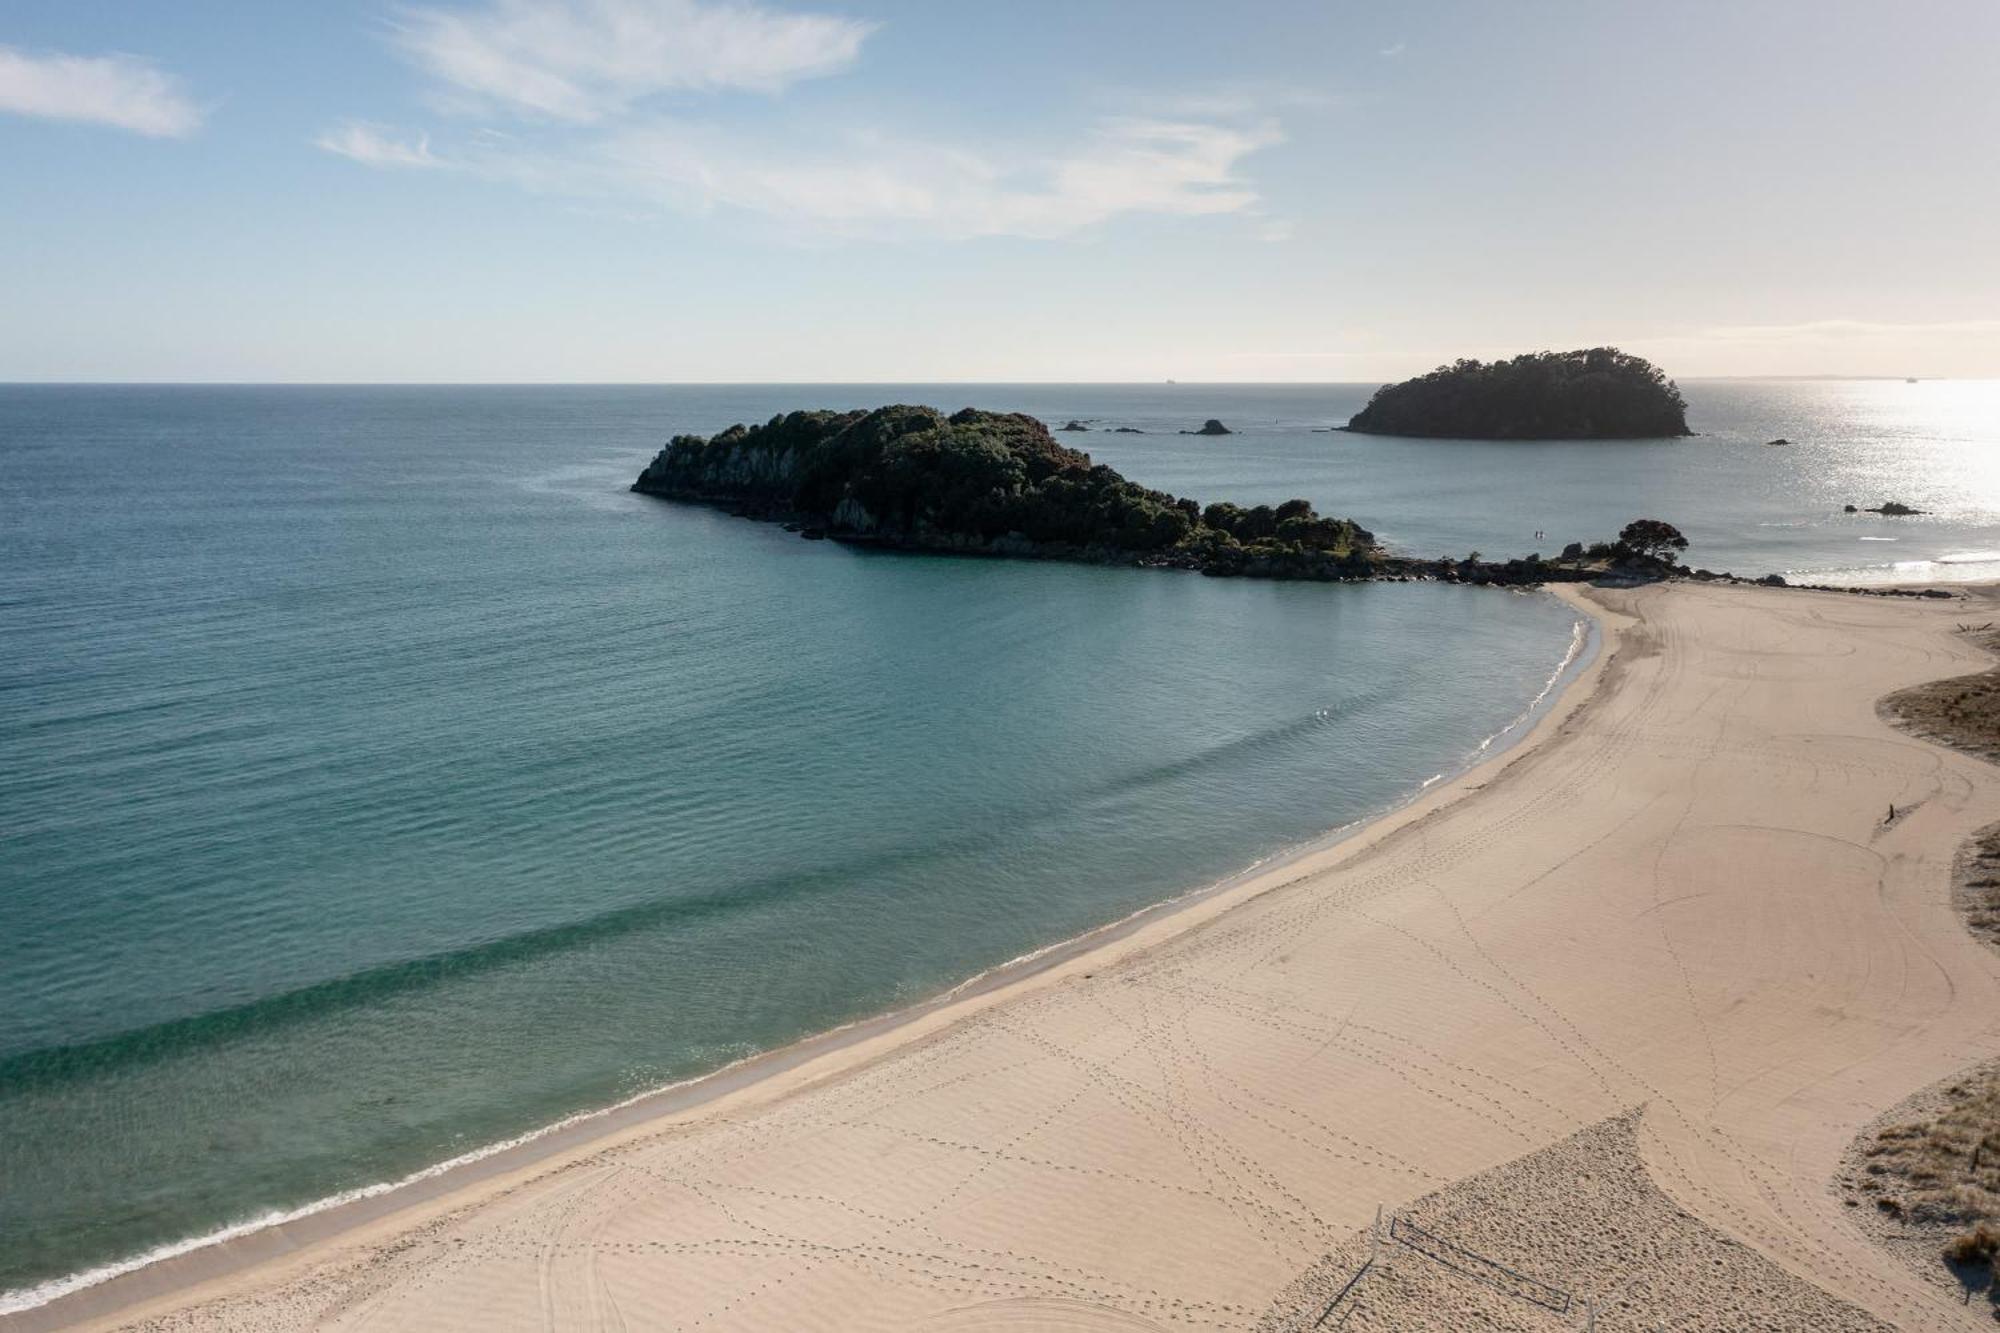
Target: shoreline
[
  {"x": 115, "y": 1289},
  {"x": 1674, "y": 903}
]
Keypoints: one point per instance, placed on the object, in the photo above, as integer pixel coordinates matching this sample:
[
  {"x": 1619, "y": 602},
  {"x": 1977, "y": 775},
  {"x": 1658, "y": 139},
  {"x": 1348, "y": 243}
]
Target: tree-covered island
[
  {"x": 1597, "y": 393},
  {"x": 989, "y": 483}
]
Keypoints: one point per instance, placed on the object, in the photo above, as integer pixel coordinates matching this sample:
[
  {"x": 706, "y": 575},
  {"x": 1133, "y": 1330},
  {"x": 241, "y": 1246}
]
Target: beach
[{"x": 1675, "y": 938}]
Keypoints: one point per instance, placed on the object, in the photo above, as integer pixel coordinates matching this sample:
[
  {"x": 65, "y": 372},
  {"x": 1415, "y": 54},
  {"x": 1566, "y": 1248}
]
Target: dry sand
[
  {"x": 1585, "y": 1206},
  {"x": 1679, "y": 903}
]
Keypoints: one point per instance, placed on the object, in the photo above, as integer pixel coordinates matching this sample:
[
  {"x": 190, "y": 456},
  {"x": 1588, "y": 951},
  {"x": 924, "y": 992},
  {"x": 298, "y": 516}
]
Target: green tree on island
[{"x": 1652, "y": 539}]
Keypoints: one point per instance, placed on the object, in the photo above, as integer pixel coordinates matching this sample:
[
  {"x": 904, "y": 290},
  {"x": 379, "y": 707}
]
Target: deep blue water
[{"x": 380, "y": 779}]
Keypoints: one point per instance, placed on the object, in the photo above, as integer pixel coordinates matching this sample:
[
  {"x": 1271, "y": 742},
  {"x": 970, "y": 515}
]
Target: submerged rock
[
  {"x": 1210, "y": 427},
  {"x": 1894, "y": 509},
  {"x": 1073, "y": 424}
]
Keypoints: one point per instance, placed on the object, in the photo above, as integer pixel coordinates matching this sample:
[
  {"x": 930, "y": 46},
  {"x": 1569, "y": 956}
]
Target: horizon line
[{"x": 862, "y": 383}]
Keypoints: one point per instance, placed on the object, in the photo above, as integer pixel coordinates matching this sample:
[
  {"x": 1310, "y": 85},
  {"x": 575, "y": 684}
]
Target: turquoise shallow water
[{"x": 379, "y": 779}]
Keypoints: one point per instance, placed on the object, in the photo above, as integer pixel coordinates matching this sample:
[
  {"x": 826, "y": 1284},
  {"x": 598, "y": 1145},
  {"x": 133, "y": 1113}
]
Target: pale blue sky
[{"x": 684, "y": 190}]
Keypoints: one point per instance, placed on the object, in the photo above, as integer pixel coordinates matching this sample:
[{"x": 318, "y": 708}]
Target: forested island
[
  {"x": 989, "y": 483},
  {"x": 1597, "y": 393}
]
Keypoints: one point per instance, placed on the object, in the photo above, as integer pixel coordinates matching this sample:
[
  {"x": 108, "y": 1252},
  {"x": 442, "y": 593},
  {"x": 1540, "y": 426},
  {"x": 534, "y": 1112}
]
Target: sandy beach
[{"x": 1593, "y": 1025}]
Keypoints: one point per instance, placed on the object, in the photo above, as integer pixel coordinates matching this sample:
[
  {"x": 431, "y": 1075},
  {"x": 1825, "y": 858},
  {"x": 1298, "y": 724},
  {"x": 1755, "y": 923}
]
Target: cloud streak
[
  {"x": 864, "y": 184},
  {"x": 575, "y": 81},
  {"x": 375, "y": 146},
  {"x": 585, "y": 61},
  {"x": 121, "y": 91}
]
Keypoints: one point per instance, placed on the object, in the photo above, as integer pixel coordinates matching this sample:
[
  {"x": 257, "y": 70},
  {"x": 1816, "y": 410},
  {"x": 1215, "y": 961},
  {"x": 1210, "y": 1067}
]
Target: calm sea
[{"x": 379, "y": 779}]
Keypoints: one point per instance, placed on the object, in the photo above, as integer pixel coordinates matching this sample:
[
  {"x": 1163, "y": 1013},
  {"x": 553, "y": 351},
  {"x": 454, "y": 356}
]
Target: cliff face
[
  {"x": 742, "y": 464},
  {"x": 990, "y": 483}
]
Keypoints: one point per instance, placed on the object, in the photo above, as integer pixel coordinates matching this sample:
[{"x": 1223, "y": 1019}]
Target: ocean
[{"x": 380, "y": 780}]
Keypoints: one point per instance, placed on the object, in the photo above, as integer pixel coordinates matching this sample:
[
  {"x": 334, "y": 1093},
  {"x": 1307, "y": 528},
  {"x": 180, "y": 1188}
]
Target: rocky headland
[{"x": 991, "y": 483}]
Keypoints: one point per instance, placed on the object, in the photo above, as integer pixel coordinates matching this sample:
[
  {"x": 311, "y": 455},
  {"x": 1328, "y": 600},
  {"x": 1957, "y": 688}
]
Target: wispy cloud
[
  {"x": 584, "y": 61},
  {"x": 574, "y": 78},
  {"x": 1395, "y": 50},
  {"x": 863, "y": 184},
  {"x": 118, "y": 90},
  {"x": 376, "y": 146}
]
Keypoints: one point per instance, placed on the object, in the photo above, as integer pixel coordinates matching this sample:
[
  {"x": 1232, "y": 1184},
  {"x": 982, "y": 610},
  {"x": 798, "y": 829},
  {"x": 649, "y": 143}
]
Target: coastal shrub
[
  {"x": 1978, "y": 1245},
  {"x": 1944, "y": 1167}
]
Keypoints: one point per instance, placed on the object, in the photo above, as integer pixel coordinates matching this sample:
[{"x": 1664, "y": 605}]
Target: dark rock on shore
[{"x": 1597, "y": 393}]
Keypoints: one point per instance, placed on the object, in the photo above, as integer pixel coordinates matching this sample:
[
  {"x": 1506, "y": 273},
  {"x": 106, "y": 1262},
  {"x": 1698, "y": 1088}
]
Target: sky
[{"x": 961, "y": 190}]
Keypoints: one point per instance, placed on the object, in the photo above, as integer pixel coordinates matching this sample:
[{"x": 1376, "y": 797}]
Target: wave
[
  {"x": 41, "y": 1293},
  {"x": 47, "y": 1066},
  {"x": 1581, "y": 637},
  {"x": 1255, "y": 744},
  {"x": 1952, "y": 567},
  {"x": 144, "y": 1045}
]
